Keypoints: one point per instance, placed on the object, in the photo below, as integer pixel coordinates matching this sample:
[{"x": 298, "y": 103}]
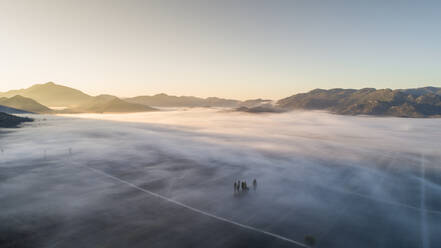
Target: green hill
[
  {"x": 24, "y": 103},
  {"x": 52, "y": 95}
]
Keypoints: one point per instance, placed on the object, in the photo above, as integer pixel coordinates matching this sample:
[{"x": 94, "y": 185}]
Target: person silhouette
[
  {"x": 254, "y": 184},
  {"x": 244, "y": 185}
]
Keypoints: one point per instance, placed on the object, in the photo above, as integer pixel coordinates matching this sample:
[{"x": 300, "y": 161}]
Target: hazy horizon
[
  {"x": 229, "y": 49},
  {"x": 193, "y": 95}
]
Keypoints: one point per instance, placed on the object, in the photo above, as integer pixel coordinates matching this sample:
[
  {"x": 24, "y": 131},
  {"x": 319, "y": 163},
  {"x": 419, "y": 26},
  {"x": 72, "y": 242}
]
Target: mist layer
[{"x": 347, "y": 181}]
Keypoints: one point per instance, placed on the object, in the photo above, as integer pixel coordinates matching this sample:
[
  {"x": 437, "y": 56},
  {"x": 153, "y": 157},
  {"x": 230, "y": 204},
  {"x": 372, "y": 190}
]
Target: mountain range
[
  {"x": 417, "y": 102},
  {"x": 107, "y": 104},
  {"x": 37, "y": 97},
  {"x": 164, "y": 100},
  {"x": 51, "y": 95}
]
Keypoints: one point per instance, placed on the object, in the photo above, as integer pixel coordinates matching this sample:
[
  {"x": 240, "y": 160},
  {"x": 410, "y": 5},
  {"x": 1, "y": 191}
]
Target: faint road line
[
  {"x": 198, "y": 210},
  {"x": 424, "y": 230}
]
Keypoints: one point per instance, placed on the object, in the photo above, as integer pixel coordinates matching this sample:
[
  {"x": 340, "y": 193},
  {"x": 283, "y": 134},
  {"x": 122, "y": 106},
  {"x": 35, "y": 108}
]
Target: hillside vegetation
[
  {"x": 8, "y": 121},
  {"x": 421, "y": 102}
]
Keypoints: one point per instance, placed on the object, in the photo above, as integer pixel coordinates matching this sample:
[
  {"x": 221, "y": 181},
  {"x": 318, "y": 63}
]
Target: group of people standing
[{"x": 242, "y": 185}]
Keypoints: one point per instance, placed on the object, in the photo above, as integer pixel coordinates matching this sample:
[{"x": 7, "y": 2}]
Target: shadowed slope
[
  {"x": 7, "y": 120},
  {"x": 24, "y": 103},
  {"x": 9, "y": 110}
]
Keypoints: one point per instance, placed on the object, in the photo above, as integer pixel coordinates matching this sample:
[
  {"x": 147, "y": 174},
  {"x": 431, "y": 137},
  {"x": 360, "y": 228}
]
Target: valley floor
[{"x": 165, "y": 179}]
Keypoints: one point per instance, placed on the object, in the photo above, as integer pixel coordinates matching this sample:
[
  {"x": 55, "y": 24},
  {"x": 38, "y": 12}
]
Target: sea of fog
[{"x": 165, "y": 179}]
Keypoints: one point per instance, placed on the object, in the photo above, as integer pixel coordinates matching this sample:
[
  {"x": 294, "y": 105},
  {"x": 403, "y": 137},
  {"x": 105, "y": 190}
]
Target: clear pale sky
[{"x": 237, "y": 49}]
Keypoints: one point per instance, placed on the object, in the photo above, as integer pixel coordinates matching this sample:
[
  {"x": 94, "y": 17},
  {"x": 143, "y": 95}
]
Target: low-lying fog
[{"x": 346, "y": 181}]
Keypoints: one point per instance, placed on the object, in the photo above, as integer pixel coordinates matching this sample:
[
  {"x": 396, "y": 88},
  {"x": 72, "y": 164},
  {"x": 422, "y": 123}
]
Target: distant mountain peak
[
  {"x": 48, "y": 84},
  {"x": 51, "y": 94},
  {"x": 19, "y": 97},
  {"x": 106, "y": 97}
]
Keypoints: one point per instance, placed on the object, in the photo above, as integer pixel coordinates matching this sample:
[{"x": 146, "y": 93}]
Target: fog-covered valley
[{"x": 165, "y": 179}]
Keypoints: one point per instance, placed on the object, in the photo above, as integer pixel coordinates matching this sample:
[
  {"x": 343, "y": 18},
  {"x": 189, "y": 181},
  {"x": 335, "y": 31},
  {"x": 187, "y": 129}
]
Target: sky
[{"x": 234, "y": 49}]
